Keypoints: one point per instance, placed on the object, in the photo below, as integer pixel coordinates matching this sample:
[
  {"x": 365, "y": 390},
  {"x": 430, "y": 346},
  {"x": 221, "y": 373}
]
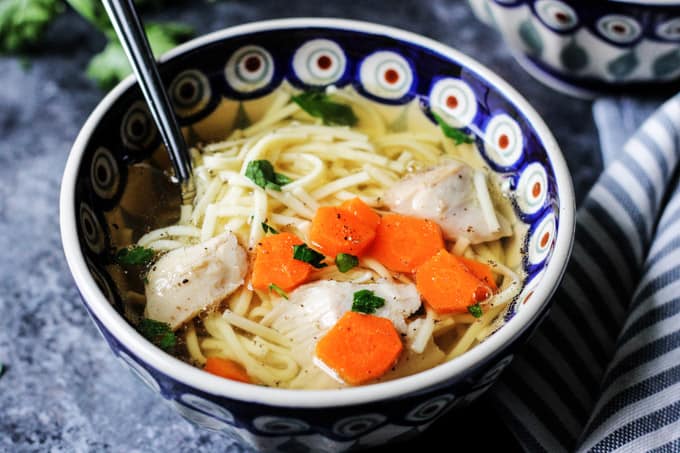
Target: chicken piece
[
  {"x": 189, "y": 279},
  {"x": 456, "y": 197},
  {"x": 312, "y": 309}
]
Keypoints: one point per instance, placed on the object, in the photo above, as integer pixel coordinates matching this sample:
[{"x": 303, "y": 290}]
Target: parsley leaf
[
  {"x": 457, "y": 135},
  {"x": 475, "y": 310},
  {"x": 366, "y": 302},
  {"x": 268, "y": 229},
  {"x": 23, "y": 22},
  {"x": 318, "y": 104},
  {"x": 135, "y": 255},
  {"x": 159, "y": 333},
  {"x": 345, "y": 261},
  {"x": 277, "y": 289},
  {"x": 261, "y": 172},
  {"x": 303, "y": 253}
]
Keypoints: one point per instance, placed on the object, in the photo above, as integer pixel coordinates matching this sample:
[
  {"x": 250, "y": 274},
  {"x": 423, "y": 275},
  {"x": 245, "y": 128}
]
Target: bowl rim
[{"x": 195, "y": 378}]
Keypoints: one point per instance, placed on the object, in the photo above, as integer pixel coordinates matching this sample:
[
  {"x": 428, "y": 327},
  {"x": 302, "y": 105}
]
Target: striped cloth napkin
[{"x": 602, "y": 373}]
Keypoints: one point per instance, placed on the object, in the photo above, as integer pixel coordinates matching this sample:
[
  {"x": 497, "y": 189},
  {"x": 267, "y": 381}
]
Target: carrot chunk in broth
[
  {"x": 227, "y": 369},
  {"x": 403, "y": 243},
  {"x": 336, "y": 230},
  {"x": 362, "y": 211},
  {"x": 360, "y": 348},
  {"x": 274, "y": 263},
  {"x": 448, "y": 285}
]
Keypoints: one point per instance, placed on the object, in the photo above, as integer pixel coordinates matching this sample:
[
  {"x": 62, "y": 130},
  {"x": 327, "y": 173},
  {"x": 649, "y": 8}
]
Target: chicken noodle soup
[{"x": 333, "y": 242}]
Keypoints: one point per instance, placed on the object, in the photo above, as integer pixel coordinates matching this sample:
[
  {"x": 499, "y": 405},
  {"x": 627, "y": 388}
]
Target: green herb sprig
[
  {"x": 319, "y": 105},
  {"x": 135, "y": 255},
  {"x": 303, "y": 253},
  {"x": 458, "y": 136},
  {"x": 475, "y": 310},
  {"x": 345, "y": 262},
  {"x": 365, "y": 301},
  {"x": 277, "y": 289},
  {"x": 268, "y": 228},
  {"x": 262, "y": 173},
  {"x": 159, "y": 333}
]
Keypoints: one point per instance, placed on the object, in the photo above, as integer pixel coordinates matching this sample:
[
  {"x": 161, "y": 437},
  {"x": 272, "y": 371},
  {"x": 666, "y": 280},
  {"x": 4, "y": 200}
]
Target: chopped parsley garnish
[
  {"x": 262, "y": 173},
  {"x": 318, "y": 104},
  {"x": 456, "y": 134},
  {"x": 345, "y": 262},
  {"x": 135, "y": 255},
  {"x": 268, "y": 229},
  {"x": 475, "y": 310},
  {"x": 277, "y": 289},
  {"x": 2, "y": 369},
  {"x": 303, "y": 253},
  {"x": 159, "y": 333},
  {"x": 366, "y": 302}
]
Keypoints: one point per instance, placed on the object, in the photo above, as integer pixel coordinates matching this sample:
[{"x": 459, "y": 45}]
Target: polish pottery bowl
[
  {"x": 104, "y": 192},
  {"x": 585, "y": 47}
]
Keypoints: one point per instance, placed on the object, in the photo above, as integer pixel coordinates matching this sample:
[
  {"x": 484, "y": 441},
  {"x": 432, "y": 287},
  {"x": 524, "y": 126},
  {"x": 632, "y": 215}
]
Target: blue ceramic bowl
[
  {"x": 585, "y": 47},
  {"x": 103, "y": 195}
]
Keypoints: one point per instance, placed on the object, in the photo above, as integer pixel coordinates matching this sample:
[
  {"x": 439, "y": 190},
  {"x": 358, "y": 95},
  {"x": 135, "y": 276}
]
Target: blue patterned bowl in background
[
  {"x": 585, "y": 47},
  {"x": 111, "y": 186}
]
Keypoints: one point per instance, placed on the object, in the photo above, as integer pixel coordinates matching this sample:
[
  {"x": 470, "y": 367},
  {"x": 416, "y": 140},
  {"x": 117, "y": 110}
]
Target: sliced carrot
[
  {"x": 362, "y": 211},
  {"x": 227, "y": 369},
  {"x": 482, "y": 271},
  {"x": 360, "y": 348},
  {"x": 403, "y": 243},
  {"x": 274, "y": 263},
  {"x": 335, "y": 230},
  {"x": 448, "y": 286}
]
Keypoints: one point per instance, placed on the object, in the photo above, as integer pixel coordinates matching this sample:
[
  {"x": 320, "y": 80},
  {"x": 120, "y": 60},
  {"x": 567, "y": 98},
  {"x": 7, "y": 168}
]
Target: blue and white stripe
[{"x": 602, "y": 373}]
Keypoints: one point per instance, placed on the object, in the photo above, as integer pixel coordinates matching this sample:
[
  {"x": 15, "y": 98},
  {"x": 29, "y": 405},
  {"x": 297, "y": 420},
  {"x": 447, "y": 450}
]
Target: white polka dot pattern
[
  {"x": 249, "y": 69},
  {"x": 386, "y": 75},
  {"x": 189, "y": 92},
  {"x": 503, "y": 141},
  {"x": 532, "y": 188},
  {"x": 556, "y": 14},
  {"x": 104, "y": 174},
  {"x": 619, "y": 29},
  {"x": 319, "y": 62},
  {"x": 541, "y": 240},
  {"x": 454, "y": 101},
  {"x": 92, "y": 230}
]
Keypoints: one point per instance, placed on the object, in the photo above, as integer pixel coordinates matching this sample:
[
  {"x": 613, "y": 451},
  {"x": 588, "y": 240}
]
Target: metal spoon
[{"x": 132, "y": 38}]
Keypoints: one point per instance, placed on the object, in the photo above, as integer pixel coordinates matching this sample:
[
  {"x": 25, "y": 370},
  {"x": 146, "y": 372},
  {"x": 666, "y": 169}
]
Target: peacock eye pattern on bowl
[
  {"x": 619, "y": 29},
  {"x": 589, "y": 45},
  {"x": 318, "y": 63},
  {"x": 556, "y": 15},
  {"x": 386, "y": 76},
  {"x": 282, "y": 429},
  {"x": 249, "y": 69},
  {"x": 669, "y": 30},
  {"x": 453, "y": 100},
  {"x": 190, "y": 93},
  {"x": 278, "y": 428}
]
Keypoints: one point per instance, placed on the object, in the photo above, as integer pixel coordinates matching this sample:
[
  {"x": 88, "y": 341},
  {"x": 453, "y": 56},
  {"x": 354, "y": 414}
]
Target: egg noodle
[{"x": 328, "y": 165}]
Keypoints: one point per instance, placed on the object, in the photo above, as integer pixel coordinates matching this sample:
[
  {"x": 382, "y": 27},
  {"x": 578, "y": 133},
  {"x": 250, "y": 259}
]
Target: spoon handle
[{"x": 132, "y": 37}]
